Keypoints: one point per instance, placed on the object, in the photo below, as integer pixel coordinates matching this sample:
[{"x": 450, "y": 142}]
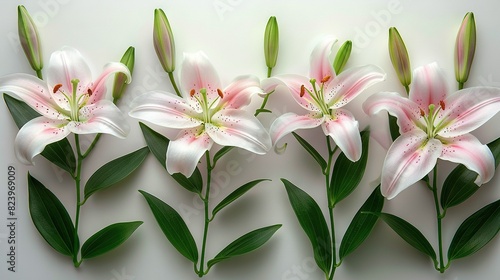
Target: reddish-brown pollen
[
  {"x": 192, "y": 92},
  {"x": 326, "y": 79},
  {"x": 219, "y": 92},
  {"x": 56, "y": 88},
  {"x": 302, "y": 90},
  {"x": 441, "y": 103},
  {"x": 422, "y": 113},
  {"x": 89, "y": 92}
]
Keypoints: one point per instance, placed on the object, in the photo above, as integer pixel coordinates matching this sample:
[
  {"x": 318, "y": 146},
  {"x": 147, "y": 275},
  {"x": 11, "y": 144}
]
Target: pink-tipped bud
[
  {"x": 399, "y": 57},
  {"x": 163, "y": 41},
  {"x": 465, "y": 47},
  {"x": 30, "y": 40}
]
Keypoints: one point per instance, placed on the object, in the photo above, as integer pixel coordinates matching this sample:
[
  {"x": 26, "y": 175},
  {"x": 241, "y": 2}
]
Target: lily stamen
[{"x": 57, "y": 87}]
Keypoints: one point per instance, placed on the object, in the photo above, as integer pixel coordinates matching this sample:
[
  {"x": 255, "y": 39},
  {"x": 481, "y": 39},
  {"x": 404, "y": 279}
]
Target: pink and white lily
[
  {"x": 324, "y": 94},
  {"x": 435, "y": 124},
  {"x": 69, "y": 101},
  {"x": 205, "y": 114}
]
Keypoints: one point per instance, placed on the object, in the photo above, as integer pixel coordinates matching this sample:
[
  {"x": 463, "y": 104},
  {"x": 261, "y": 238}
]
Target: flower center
[
  {"x": 431, "y": 117},
  {"x": 76, "y": 101},
  {"x": 205, "y": 103},
  {"x": 317, "y": 94}
]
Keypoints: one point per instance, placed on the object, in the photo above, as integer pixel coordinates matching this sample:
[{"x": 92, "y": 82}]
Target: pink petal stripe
[
  {"x": 239, "y": 93},
  {"x": 344, "y": 130},
  {"x": 185, "y": 151},
  {"x": 101, "y": 117},
  {"x": 290, "y": 122},
  {"x": 428, "y": 87},
  {"x": 321, "y": 66}
]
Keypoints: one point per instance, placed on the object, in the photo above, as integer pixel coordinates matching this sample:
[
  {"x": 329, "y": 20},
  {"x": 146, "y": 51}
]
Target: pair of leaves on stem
[
  {"x": 51, "y": 217},
  {"x": 345, "y": 178},
  {"x": 474, "y": 233},
  {"x": 54, "y": 224},
  {"x": 172, "y": 224}
]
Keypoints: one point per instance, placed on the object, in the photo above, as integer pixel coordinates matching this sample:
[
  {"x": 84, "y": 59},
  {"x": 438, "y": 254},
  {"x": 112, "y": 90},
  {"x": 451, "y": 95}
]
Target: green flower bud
[
  {"x": 30, "y": 40},
  {"x": 465, "y": 47},
  {"x": 342, "y": 56},
  {"x": 163, "y": 40},
  {"x": 399, "y": 57},
  {"x": 271, "y": 42},
  {"x": 120, "y": 82}
]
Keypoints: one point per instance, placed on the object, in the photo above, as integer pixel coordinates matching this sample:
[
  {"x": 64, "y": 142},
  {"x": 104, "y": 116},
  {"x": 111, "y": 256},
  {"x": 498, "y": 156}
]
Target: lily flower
[
  {"x": 435, "y": 124},
  {"x": 70, "y": 101},
  {"x": 324, "y": 94},
  {"x": 206, "y": 113}
]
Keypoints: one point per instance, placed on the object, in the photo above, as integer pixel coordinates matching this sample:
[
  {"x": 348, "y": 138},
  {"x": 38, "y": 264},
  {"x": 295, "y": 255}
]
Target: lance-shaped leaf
[
  {"x": 50, "y": 217},
  {"x": 236, "y": 194},
  {"x": 409, "y": 233},
  {"x": 346, "y": 174},
  {"x": 115, "y": 171},
  {"x": 313, "y": 223},
  {"x": 362, "y": 224},
  {"x": 218, "y": 155},
  {"x": 193, "y": 183},
  {"x": 108, "y": 239},
  {"x": 459, "y": 185},
  {"x": 59, "y": 153},
  {"x": 173, "y": 226},
  {"x": 245, "y": 244},
  {"x": 310, "y": 149},
  {"x": 475, "y": 232}
]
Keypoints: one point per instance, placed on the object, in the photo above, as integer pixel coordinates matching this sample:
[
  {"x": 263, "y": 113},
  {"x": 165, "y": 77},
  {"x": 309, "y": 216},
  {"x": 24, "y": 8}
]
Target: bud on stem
[
  {"x": 30, "y": 40},
  {"x": 342, "y": 56},
  {"x": 399, "y": 57},
  {"x": 465, "y": 47},
  {"x": 271, "y": 44},
  {"x": 120, "y": 82},
  {"x": 163, "y": 40}
]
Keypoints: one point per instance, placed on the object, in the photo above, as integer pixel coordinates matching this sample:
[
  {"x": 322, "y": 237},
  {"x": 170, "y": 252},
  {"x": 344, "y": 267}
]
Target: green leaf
[
  {"x": 362, "y": 224},
  {"x": 310, "y": 149},
  {"x": 108, "y": 238},
  {"x": 409, "y": 233},
  {"x": 157, "y": 143},
  {"x": 245, "y": 244},
  {"x": 173, "y": 226},
  {"x": 313, "y": 223},
  {"x": 114, "y": 171},
  {"x": 60, "y": 153},
  {"x": 346, "y": 174},
  {"x": 235, "y": 195},
  {"x": 476, "y": 231},
  {"x": 393, "y": 127},
  {"x": 50, "y": 217},
  {"x": 224, "y": 150},
  {"x": 193, "y": 183},
  {"x": 459, "y": 185}
]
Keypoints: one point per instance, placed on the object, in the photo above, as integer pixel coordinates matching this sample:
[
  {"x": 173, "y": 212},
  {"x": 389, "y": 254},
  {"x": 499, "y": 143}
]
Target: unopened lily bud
[
  {"x": 163, "y": 40},
  {"x": 120, "y": 82},
  {"x": 342, "y": 56},
  {"x": 30, "y": 40},
  {"x": 399, "y": 57},
  {"x": 271, "y": 42},
  {"x": 465, "y": 47}
]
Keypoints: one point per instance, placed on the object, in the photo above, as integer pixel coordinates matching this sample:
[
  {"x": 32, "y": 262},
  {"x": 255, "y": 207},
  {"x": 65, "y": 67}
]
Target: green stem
[
  {"x": 331, "y": 205},
  {"x": 205, "y": 199},
  {"x": 460, "y": 85},
  {"x": 439, "y": 220},
  {"x": 39, "y": 74},
  {"x": 407, "y": 88},
  {"x": 172, "y": 81},
  {"x": 269, "y": 70},
  {"x": 76, "y": 248}
]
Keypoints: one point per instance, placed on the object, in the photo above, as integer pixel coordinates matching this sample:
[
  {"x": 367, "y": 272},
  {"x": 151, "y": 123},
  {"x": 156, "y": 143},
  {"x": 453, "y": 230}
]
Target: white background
[{"x": 230, "y": 32}]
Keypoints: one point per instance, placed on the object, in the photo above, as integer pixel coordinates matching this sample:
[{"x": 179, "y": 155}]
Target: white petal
[
  {"x": 186, "y": 150},
  {"x": 290, "y": 122},
  {"x": 101, "y": 117},
  {"x": 198, "y": 72},
  {"x": 409, "y": 159},
  {"x": 64, "y": 66},
  {"x": 294, "y": 84},
  {"x": 428, "y": 87},
  {"x": 238, "y": 128},
  {"x": 33, "y": 92},
  {"x": 321, "y": 65},
  {"x": 98, "y": 87},
  {"x": 239, "y": 93},
  {"x": 165, "y": 109},
  {"x": 36, "y": 134},
  {"x": 344, "y": 130},
  {"x": 467, "y": 150}
]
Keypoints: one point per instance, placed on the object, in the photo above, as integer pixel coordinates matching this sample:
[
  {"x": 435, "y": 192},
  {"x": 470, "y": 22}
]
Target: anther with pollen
[
  {"x": 326, "y": 79},
  {"x": 89, "y": 92},
  {"x": 422, "y": 113},
  {"x": 57, "y": 87},
  {"x": 302, "y": 90},
  {"x": 192, "y": 92},
  {"x": 441, "y": 103},
  {"x": 219, "y": 92}
]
